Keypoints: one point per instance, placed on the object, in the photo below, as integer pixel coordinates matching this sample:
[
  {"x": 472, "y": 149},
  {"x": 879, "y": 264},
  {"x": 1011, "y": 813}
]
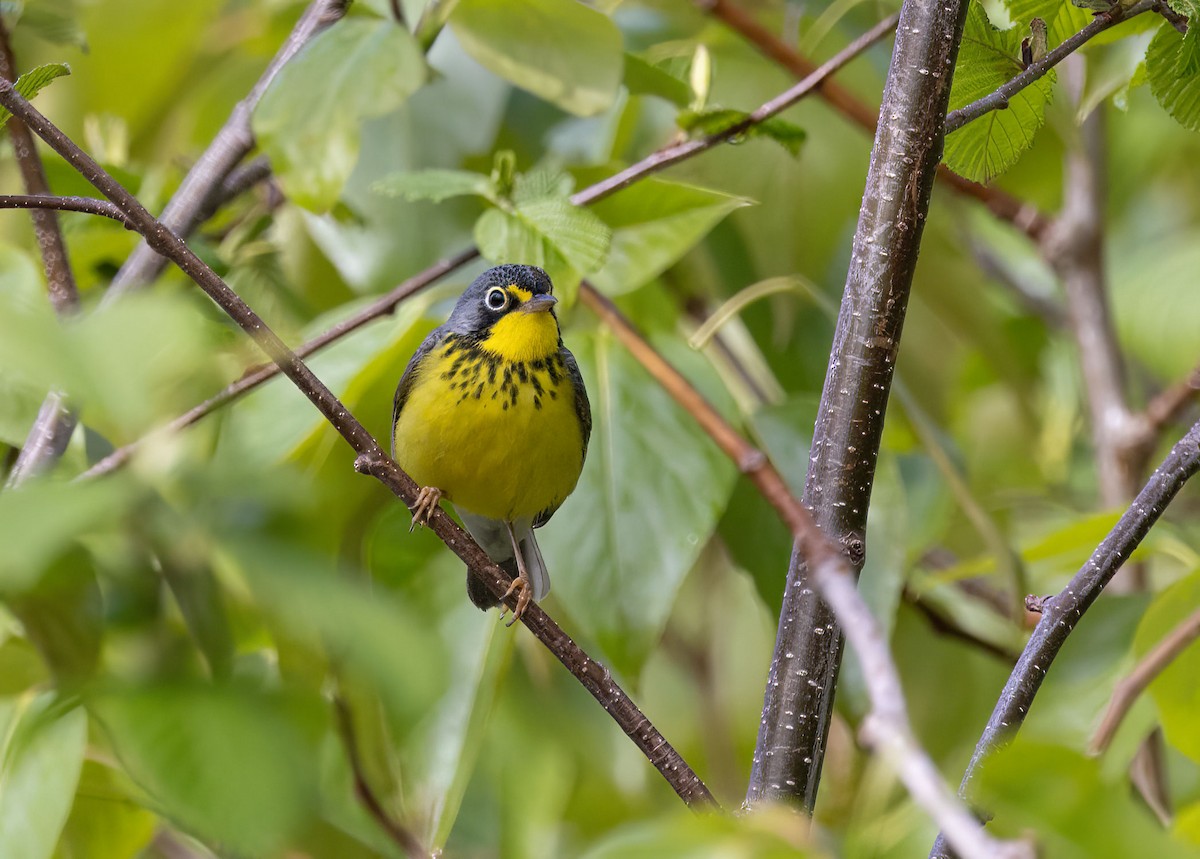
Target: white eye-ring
[{"x": 496, "y": 298}]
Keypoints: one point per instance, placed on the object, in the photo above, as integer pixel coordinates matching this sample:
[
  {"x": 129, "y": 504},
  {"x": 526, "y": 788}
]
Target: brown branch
[
  {"x": 887, "y": 726},
  {"x": 371, "y": 458},
  {"x": 51, "y": 431},
  {"x": 653, "y": 163},
  {"x": 1023, "y": 216},
  {"x": 1143, "y": 674},
  {"x": 400, "y": 835},
  {"x": 49, "y": 202}
]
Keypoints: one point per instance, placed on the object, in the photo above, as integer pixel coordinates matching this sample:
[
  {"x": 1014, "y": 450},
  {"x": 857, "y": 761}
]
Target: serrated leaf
[
  {"x": 503, "y": 237},
  {"x": 1173, "y": 68},
  {"x": 988, "y": 58},
  {"x": 435, "y": 185},
  {"x": 716, "y": 120},
  {"x": 649, "y": 497},
  {"x": 34, "y": 81},
  {"x": 654, "y": 223},
  {"x": 642, "y": 78},
  {"x": 309, "y": 120},
  {"x": 42, "y": 757},
  {"x": 580, "y": 236},
  {"x": 559, "y": 50},
  {"x": 1190, "y": 8}
]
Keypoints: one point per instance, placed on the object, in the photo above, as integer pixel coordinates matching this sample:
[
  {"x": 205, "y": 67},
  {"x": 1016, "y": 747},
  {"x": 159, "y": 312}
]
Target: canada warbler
[{"x": 491, "y": 414}]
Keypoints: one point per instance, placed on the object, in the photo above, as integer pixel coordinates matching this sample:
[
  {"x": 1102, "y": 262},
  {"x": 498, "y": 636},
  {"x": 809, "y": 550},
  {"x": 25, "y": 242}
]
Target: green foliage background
[{"x": 170, "y": 636}]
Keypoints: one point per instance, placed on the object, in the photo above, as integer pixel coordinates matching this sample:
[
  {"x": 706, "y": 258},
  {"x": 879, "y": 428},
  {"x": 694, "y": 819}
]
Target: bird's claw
[
  {"x": 524, "y": 591},
  {"x": 427, "y": 501}
]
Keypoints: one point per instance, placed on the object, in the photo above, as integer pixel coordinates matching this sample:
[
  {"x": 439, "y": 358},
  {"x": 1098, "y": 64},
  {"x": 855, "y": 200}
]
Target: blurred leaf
[
  {"x": 42, "y": 756},
  {"x": 1062, "y": 19},
  {"x": 654, "y": 223},
  {"x": 360, "y": 631},
  {"x": 33, "y": 82},
  {"x": 309, "y": 121},
  {"x": 1173, "y": 69},
  {"x": 650, "y": 494},
  {"x": 434, "y": 185},
  {"x": 56, "y": 21},
  {"x": 1175, "y": 691},
  {"x": 105, "y": 821},
  {"x": 765, "y": 835},
  {"x": 1187, "y": 824},
  {"x": 228, "y": 763},
  {"x": 642, "y": 78},
  {"x": 716, "y": 120},
  {"x": 1064, "y": 798},
  {"x": 1152, "y": 294},
  {"x": 559, "y": 50},
  {"x": 63, "y": 616},
  {"x": 987, "y": 146},
  {"x": 199, "y": 598}
]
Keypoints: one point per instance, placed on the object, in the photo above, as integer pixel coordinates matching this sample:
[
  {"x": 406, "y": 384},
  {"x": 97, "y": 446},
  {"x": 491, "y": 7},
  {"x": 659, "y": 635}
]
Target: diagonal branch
[
  {"x": 1061, "y": 613},
  {"x": 386, "y": 303},
  {"x": 371, "y": 458},
  {"x": 998, "y": 100},
  {"x": 1022, "y": 215},
  {"x": 49, "y": 202}
]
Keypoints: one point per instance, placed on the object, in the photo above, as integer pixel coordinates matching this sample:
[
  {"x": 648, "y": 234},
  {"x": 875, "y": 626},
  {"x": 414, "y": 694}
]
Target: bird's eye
[{"x": 496, "y": 298}]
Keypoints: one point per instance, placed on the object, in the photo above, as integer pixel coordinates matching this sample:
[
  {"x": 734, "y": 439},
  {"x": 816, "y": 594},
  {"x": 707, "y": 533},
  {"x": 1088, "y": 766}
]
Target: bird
[{"x": 492, "y": 415}]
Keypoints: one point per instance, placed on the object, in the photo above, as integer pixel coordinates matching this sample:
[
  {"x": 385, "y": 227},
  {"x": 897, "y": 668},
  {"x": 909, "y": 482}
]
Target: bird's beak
[{"x": 539, "y": 304}]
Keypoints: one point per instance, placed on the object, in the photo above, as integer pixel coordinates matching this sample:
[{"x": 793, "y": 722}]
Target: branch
[
  {"x": 49, "y": 202},
  {"x": 653, "y": 163},
  {"x": 998, "y": 100},
  {"x": 849, "y": 426},
  {"x": 1022, "y": 215},
  {"x": 371, "y": 458},
  {"x": 887, "y": 728},
  {"x": 400, "y": 835},
  {"x": 1132, "y": 685},
  {"x": 52, "y": 429},
  {"x": 1061, "y": 613}
]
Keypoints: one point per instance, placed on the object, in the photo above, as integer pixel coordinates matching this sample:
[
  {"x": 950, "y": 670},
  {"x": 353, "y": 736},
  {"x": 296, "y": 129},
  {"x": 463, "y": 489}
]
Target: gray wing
[
  {"x": 410, "y": 375},
  {"x": 583, "y": 410}
]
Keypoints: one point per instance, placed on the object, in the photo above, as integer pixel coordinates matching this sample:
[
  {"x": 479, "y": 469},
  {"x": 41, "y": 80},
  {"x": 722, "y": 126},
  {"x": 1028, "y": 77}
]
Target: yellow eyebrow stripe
[{"x": 523, "y": 294}]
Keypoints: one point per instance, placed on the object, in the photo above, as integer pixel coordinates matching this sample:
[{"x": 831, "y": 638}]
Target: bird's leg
[
  {"x": 427, "y": 501},
  {"x": 521, "y": 584}
]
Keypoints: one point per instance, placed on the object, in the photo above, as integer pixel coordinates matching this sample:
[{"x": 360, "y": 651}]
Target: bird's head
[{"x": 509, "y": 310}]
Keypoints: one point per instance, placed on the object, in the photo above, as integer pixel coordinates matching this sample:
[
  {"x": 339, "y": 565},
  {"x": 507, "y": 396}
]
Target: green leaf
[
  {"x": 1173, "y": 68},
  {"x": 988, "y": 58},
  {"x": 435, "y": 185},
  {"x": 1175, "y": 690},
  {"x": 230, "y": 764},
  {"x": 559, "y": 50},
  {"x": 716, "y": 120},
  {"x": 767, "y": 834},
  {"x": 642, "y": 78},
  {"x": 1062, "y": 19},
  {"x": 42, "y": 757},
  {"x": 309, "y": 120},
  {"x": 33, "y": 82},
  {"x": 650, "y": 495},
  {"x": 105, "y": 821},
  {"x": 654, "y": 223}
]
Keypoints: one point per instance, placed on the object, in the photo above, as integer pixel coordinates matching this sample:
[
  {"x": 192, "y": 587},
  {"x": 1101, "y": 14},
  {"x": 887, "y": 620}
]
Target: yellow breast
[{"x": 500, "y": 437}]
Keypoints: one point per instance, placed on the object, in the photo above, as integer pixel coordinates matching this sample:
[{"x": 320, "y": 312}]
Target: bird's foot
[
  {"x": 524, "y": 591},
  {"x": 427, "y": 501}
]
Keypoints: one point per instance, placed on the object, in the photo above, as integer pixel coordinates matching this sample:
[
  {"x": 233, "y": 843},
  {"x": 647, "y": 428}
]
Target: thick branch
[
  {"x": 653, "y": 163},
  {"x": 1061, "y": 613},
  {"x": 1134, "y": 684},
  {"x": 372, "y": 460},
  {"x": 799, "y": 694},
  {"x": 1023, "y": 216},
  {"x": 998, "y": 100}
]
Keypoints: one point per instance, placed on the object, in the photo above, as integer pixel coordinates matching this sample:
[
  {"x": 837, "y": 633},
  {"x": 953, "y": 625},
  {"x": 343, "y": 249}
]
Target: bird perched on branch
[{"x": 491, "y": 414}]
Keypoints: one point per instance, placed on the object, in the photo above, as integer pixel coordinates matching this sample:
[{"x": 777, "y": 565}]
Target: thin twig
[
  {"x": 1143, "y": 674},
  {"x": 386, "y": 303},
  {"x": 887, "y": 727},
  {"x": 1022, "y": 215},
  {"x": 400, "y": 834},
  {"x": 371, "y": 458},
  {"x": 1061, "y": 613},
  {"x": 52, "y": 429},
  {"x": 999, "y": 99},
  {"x": 49, "y": 202}
]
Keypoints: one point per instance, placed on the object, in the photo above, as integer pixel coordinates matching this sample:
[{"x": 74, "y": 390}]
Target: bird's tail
[{"x": 493, "y": 538}]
